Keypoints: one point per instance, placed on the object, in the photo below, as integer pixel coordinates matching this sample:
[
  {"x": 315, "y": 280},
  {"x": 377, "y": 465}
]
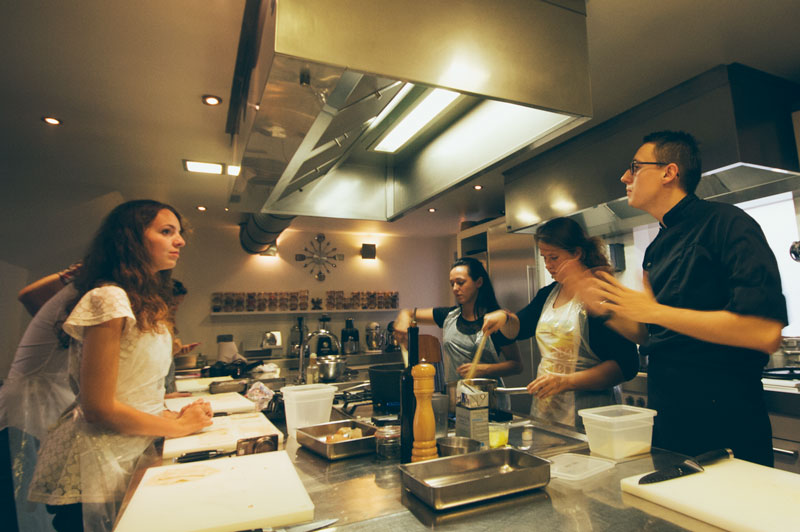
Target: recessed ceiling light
[
  {"x": 226, "y": 209},
  {"x": 201, "y": 208},
  {"x": 205, "y": 168},
  {"x": 51, "y": 120},
  {"x": 478, "y": 187},
  {"x": 233, "y": 169},
  {"x": 210, "y": 99},
  {"x": 432, "y": 209}
]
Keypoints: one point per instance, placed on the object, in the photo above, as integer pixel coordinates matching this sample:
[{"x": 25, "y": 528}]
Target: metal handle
[
  {"x": 785, "y": 452},
  {"x": 519, "y": 390}
]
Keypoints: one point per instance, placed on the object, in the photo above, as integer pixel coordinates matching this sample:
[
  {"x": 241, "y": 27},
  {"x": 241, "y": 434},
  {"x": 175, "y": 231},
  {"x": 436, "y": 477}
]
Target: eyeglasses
[{"x": 635, "y": 165}]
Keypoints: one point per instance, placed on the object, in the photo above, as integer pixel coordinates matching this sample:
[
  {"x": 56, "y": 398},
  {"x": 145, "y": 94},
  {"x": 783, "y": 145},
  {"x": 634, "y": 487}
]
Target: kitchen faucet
[{"x": 326, "y": 344}]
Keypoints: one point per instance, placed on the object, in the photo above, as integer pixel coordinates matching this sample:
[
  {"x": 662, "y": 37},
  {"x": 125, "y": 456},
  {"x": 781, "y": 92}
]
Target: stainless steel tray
[
  {"x": 313, "y": 438},
  {"x": 473, "y": 477}
]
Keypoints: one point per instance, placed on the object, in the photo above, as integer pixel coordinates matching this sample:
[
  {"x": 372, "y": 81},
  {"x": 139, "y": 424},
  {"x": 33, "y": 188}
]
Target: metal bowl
[
  {"x": 331, "y": 368},
  {"x": 457, "y": 445}
]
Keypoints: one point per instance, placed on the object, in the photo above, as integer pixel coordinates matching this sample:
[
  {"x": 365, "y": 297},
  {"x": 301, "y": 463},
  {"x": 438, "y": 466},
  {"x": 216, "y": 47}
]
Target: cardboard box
[{"x": 473, "y": 423}]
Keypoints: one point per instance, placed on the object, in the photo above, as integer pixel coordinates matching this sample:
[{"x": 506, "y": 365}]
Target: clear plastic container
[
  {"x": 306, "y": 405},
  {"x": 575, "y": 467},
  {"x": 618, "y": 431}
]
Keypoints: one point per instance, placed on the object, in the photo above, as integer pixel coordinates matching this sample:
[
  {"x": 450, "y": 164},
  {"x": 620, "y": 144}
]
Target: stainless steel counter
[{"x": 366, "y": 494}]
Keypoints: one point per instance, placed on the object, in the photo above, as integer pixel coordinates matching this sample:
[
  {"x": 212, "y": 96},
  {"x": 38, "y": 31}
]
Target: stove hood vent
[
  {"x": 741, "y": 117},
  {"x": 318, "y": 83}
]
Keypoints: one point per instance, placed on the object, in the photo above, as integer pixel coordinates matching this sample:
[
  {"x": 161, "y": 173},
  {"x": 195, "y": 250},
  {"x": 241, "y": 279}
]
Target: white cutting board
[
  {"x": 222, "y": 435},
  {"x": 198, "y": 385},
  {"x": 731, "y": 494},
  {"x": 238, "y": 493},
  {"x": 227, "y": 403}
]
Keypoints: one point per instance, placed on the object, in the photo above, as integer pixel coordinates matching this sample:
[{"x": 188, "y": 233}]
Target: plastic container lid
[
  {"x": 569, "y": 466},
  {"x": 617, "y": 415}
]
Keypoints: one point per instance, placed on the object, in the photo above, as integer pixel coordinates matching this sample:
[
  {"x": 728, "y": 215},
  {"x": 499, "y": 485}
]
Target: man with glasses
[{"x": 711, "y": 312}]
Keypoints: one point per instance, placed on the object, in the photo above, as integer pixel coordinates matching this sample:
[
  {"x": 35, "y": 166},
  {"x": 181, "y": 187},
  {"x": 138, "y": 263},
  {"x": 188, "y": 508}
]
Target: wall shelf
[{"x": 337, "y": 312}]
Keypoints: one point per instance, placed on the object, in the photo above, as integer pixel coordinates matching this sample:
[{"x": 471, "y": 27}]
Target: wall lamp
[{"x": 368, "y": 251}]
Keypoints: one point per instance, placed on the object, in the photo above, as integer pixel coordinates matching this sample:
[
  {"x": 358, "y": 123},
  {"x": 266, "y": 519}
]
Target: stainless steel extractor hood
[
  {"x": 325, "y": 85},
  {"x": 741, "y": 117}
]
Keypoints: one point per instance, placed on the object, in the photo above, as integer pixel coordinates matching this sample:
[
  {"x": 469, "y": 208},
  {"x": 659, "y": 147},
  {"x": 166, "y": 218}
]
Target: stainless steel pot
[
  {"x": 331, "y": 368},
  {"x": 484, "y": 385}
]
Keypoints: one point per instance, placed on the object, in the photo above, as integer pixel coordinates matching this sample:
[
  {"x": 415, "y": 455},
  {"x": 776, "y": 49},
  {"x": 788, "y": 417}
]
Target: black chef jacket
[{"x": 710, "y": 256}]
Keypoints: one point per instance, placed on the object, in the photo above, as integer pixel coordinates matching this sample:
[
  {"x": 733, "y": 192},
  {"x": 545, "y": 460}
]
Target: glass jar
[
  {"x": 527, "y": 437},
  {"x": 387, "y": 442}
]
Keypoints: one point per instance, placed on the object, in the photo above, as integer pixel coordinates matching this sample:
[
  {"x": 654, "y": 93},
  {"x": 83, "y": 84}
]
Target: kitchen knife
[
  {"x": 308, "y": 527},
  {"x": 196, "y": 456},
  {"x": 687, "y": 467}
]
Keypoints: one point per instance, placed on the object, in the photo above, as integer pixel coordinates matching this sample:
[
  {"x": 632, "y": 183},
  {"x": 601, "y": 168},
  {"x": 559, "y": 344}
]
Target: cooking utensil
[
  {"x": 314, "y": 439},
  {"x": 472, "y": 477},
  {"x": 511, "y": 391},
  {"x": 223, "y": 495},
  {"x": 687, "y": 467},
  {"x": 384, "y": 381},
  {"x": 308, "y": 527},
  {"x": 374, "y": 338},
  {"x": 331, "y": 368},
  {"x": 730, "y": 495},
  {"x": 478, "y": 353},
  {"x": 254, "y": 445},
  {"x": 454, "y": 445}
]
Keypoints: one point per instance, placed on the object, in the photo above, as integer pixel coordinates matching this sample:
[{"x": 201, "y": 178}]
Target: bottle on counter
[
  {"x": 408, "y": 402},
  {"x": 312, "y": 371}
]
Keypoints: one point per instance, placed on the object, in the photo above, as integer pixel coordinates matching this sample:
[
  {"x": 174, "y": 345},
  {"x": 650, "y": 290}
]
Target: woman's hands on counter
[{"x": 194, "y": 417}]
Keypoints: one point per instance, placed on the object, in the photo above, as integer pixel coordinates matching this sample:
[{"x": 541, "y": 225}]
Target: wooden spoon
[{"x": 477, "y": 358}]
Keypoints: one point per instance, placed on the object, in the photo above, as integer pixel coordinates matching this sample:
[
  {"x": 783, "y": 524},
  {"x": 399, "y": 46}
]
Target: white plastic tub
[
  {"x": 306, "y": 405},
  {"x": 618, "y": 431}
]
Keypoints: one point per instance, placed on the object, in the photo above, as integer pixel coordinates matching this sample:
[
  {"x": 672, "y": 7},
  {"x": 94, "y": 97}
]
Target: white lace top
[{"x": 82, "y": 462}]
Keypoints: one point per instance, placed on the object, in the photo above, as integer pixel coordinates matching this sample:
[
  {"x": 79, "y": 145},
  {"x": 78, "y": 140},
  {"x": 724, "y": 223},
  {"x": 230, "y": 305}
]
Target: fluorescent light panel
[
  {"x": 204, "y": 168},
  {"x": 234, "y": 169},
  {"x": 433, "y": 104}
]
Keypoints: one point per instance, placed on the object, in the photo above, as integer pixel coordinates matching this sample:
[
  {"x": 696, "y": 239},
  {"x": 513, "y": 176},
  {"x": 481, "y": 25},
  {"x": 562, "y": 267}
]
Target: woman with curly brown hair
[{"x": 120, "y": 351}]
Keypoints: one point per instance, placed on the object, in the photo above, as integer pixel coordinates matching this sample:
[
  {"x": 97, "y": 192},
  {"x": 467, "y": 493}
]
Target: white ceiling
[{"x": 127, "y": 77}]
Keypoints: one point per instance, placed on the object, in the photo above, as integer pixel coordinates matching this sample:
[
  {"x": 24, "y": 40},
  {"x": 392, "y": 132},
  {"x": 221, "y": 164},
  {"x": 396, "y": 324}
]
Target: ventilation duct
[
  {"x": 741, "y": 117},
  {"x": 324, "y": 84},
  {"x": 260, "y": 231}
]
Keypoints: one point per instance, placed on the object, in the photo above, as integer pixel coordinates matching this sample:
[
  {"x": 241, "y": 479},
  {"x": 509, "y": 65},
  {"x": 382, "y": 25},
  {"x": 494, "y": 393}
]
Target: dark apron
[{"x": 703, "y": 410}]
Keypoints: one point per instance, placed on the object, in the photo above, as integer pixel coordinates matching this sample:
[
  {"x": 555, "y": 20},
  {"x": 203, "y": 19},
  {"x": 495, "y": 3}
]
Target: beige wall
[
  {"x": 12, "y": 314},
  {"x": 213, "y": 261}
]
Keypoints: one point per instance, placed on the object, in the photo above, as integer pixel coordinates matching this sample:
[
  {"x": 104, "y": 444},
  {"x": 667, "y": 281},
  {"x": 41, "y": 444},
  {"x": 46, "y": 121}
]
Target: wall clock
[{"x": 320, "y": 257}]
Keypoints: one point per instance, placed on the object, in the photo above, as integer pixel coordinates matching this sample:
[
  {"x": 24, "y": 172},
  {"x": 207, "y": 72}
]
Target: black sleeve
[
  {"x": 608, "y": 345},
  {"x": 499, "y": 340},
  {"x": 529, "y": 316},
  {"x": 440, "y": 313}
]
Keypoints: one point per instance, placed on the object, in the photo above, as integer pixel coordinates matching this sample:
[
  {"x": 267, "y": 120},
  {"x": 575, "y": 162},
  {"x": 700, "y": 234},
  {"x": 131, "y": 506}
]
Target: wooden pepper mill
[{"x": 424, "y": 422}]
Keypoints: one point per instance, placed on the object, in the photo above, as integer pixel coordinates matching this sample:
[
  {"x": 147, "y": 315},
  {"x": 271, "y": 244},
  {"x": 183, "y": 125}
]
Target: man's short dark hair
[{"x": 680, "y": 148}]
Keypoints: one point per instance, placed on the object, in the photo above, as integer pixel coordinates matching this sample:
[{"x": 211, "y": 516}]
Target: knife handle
[{"x": 712, "y": 456}]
